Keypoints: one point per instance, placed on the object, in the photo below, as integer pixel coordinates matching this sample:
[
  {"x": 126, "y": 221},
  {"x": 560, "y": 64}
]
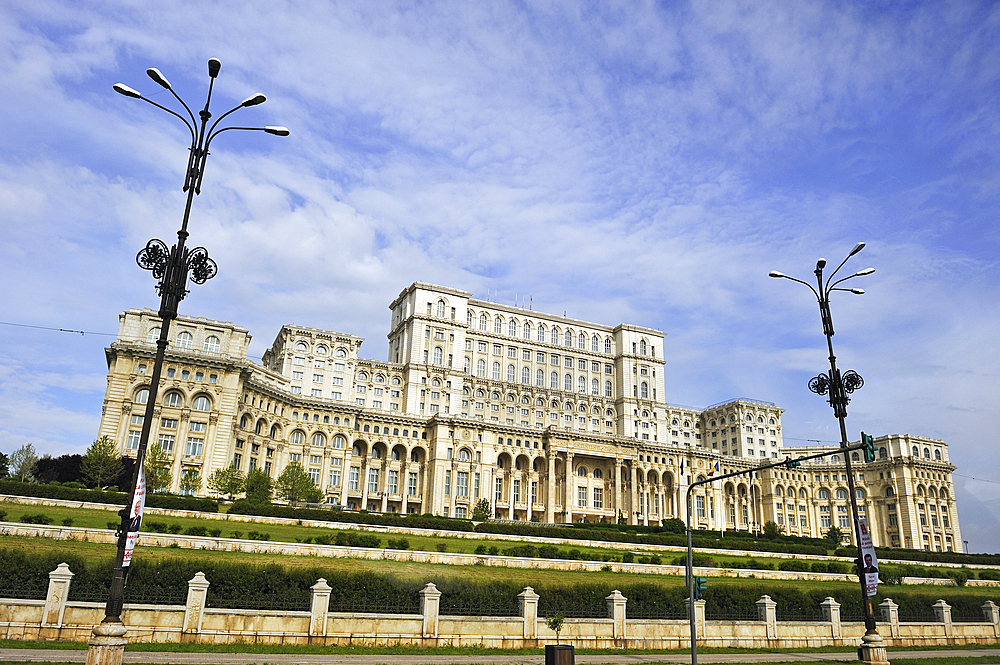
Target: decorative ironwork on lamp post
[
  {"x": 839, "y": 386},
  {"x": 171, "y": 268}
]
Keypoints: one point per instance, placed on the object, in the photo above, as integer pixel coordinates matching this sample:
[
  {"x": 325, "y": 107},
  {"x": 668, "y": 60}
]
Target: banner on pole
[
  {"x": 870, "y": 561},
  {"x": 135, "y": 517}
]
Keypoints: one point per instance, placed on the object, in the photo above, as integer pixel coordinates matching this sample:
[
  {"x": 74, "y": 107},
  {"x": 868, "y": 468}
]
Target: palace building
[{"x": 546, "y": 417}]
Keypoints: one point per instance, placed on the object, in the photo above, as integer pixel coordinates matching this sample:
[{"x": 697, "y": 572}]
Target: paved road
[{"x": 169, "y": 658}]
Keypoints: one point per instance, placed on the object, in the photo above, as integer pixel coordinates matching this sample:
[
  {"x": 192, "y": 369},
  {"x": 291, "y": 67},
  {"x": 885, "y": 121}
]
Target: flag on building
[{"x": 711, "y": 472}]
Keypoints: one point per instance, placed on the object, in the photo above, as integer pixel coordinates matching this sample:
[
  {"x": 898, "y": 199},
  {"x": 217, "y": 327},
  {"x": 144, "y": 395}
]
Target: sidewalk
[{"x": 169, "y": 658}]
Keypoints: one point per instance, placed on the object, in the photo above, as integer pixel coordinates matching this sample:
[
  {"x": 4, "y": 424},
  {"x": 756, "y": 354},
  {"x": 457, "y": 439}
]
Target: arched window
[
  {"x": 483, "y": 321},
  {"x": 889, "y": 491},
  {"x": 511, "y": 398},
  {"x": 581, "y": 341},
  {"x": 569, "y": 338},
  {"x": 339, "y": 441},
  {"x": 855, "y": 457},
  {"x": 944, "y": 493},
  {"x": 297, "y": 438},
  {"x": 142, "y": 396},
  {"x": 510, "y": 373},
  {"x": 582, "y": 472},
  {"x": 607, "y": 345},
  {"x": 568, "y": 383},
  {"x": 320, "y": 350},
  {"x": 595, "y": 387},
  {"x": 152, "y": 335},
  {"x": 212, "y": 344},
  {"x": 527, "y": 330},
  {"x": 540, "y": 378},
  {"x": 438, "y": 355},
  {"x": 607, "y": 389},
  {"x": 554, "y": 381},
  {"x": 481, "y": 368},
  {"x": 376, "y": 452},
  {"x": 582, "y": 408},
  {"x": 595, "y": 344},
  {"x": 882, "y": 453},
  {"x": 841, "y": 493},
  {"x": 498, "y": 325},
  {"x": 379, "y": 378},
  {"x": 555, "y": 336},
  {"x": 319, "y": 439},
  {"x": 541, "y": 333},
  {"x": 927, "y": 453},
  {"x": 184, "y": 340},
  {"x": 440, "y": 309},
  {"x": 244, "y": 421},
  {"x": 642, "y": 347},
  {"x": 464, "y": 456},
  {"x": 395, "y": 380},
  {"x": 356, "y": 450},
  {"x": 777, "y": 491},
  {"x": 859, "y": 493},
  {"x": 496, "y": 371},
  {"x": 937, "y": 455},
  {"x": 644, "y": 390},
  {"x": 201, "y": 403},
  {"x": 468, "y": 318},
  {"x": 341, "y": 353},
  {"x": 467, "y": 368},
  {"x": 415, "y": 455},
  {"x": 512, "y": 328},
  {"x": 802, "y": 494},
  {"x": 916, "y": 452},
  {"x": 172, "y": 399},
  {"x": 259, "y": 428},
  {"x": 581, "y": 384},
  {"x": 301, "y": 346},
  {"x": 362, "y": 376},
  {"x": 526, "y": 375},
  {"x": 598, "y": 473}
]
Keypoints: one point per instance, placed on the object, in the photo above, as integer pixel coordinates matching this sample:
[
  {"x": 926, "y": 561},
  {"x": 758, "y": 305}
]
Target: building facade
[{"x": 546, "y": 417}]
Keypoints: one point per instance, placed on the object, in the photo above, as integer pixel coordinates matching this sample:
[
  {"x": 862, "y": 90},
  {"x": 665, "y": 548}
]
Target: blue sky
[{"x": 644, "y": 162}]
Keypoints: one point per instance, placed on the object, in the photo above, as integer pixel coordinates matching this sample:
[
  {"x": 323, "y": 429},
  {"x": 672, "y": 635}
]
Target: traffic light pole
[{"x": 787, "y": 463}]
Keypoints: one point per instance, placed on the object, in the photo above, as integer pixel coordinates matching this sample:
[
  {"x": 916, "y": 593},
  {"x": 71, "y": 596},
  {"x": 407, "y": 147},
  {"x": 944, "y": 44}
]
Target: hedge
[
  {"x": 244, "y": 507},
  {"x": 896, "y": 553},
  {"x": 167, "y": 501}
]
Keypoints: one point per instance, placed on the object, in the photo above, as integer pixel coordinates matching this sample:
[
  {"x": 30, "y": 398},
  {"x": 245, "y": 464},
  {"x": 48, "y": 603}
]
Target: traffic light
[
  {"x": 700, "y": 586},
  {"x": 869, "y": 446},
  {"x": 792, "y": 463}
]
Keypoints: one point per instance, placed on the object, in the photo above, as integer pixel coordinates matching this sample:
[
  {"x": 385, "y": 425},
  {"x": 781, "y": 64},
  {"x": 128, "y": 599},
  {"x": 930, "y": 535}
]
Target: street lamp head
[
  {"x": 857, "y": 248},
  {"x": 866, "y": 271},
  {"x": 123, "y": 89},
  {"x": 820, "y": 264},
  {"x": 214, "y": 65},
  {"x": 858, "y": 292},
  {"x": 775, "y": 273},
  {"x": 155, "y": 74},
  {"x": 277, "y": 131},
  {"x": 254, "y": 100}
]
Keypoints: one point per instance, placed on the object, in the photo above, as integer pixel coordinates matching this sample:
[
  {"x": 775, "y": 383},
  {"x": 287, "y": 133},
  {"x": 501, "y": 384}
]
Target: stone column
[
  {"x": 633, "y": 518},
  {"x": 991, "y": 613},
  {"x": 619, "y": 509},
  {"x": 570, "y": 485},
  {"x": 942, "y": 612},
  {"x": 194, "y": 609},
  {"x": 430, "y": 604},
  {"x": 528, "y": 601},
  {"x": 831, "y": 613},
  {"x": 107, "y": 645},
  {"x": 55, "y": 599},
  {"x": 319, "y": 608},
  {"x": 890, "y": 616},
  {"x": 550, "y": 494},
  {"x": 699, "y": 615},
  {"x": 510, "y": 491},
  {"x": 767, "y": 611},
  {"x": 616, "y": 611}
]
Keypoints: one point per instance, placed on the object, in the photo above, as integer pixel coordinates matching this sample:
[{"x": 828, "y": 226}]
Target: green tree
[
  {"x": 4, "y": 461},
  {"x": 190, "y": 481},
  {"x": 294, "y": 485},
  {"x": 101, "y": 464},
  {"x": 772, "y": 530},
  {"x": 259, "y": 486},
  {"x": 157, "y": 465},
  {"x": 228, "y": 482},
  {"x": 22, "y": 462},
  {"x": 481, "y": 512},
  {"x": 834, "y": 535},
  {"x": 674, "y": 525},
  {"x": 555, "y": 624}
]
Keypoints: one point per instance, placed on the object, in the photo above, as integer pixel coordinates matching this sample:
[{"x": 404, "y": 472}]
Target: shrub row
[
  {"x": 897, "y": 554},
  {"x": 167, "y": 501},
  {"x": 427, "y": 521}
]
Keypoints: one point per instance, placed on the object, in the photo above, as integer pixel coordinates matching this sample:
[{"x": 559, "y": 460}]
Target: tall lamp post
[
  {"x": 171, "y": 268},
  {"x": 838, "y": 386}
]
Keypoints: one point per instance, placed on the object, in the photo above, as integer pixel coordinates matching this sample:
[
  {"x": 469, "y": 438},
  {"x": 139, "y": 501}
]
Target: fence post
[
  {"x": 768, "y": 613},
  {"x": 831, "y": 613},
  {"x": 194, "y": 609},
  {"x": 699, "y": 615},
  {"x": 890, "y": 616},
  {"x": 616, "y": 611},
  {"x": 319, "y": 608},
  {"x": 528, "y": 601},
  {"x": 991, "y": 613},
  {"x": 55, "y": 598},
  {"x": 430, "y": 605},
  {"x": 942, "y": 612}
]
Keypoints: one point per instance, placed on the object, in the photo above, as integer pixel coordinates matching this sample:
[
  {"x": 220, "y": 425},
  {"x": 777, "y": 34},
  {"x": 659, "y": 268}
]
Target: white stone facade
[{"x": 545, "y": 417}]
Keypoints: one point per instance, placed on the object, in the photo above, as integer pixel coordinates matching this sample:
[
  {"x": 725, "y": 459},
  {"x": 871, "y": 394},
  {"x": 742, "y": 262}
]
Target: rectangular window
[
  {"x": 372, "y": 481},
  {"x": 334, "y": 477},
  {"x": 599, "y": 497},
  {"x": 167, "y": 423},
  {"x": 447, "y": 482},
  {"x": 353, "y": 478},
  {"x": 393, "y": 487},
  {"x": 197, "y": 427},
  {"x": 475, "y": 486},
  {"x": 824, "y": 521},
  {"x": 314, "y": 476},
  {"x": 517, "y": 491},
  {"x": 195, "y": 446},
  {"x": 138, "y": 418},
  {"x": 296, "y": 390},
  {"x": 844, "y": 521},
  {"x": 316, "y": 392},
  {"x": 411, "y": 483},
  {"x": 237, "y": 460},
  {"x": 581, "y": 497},
  {"x": 803, "y": 520},
  {"x": 317, "y": 378},
  {"x": 132, "y": 442},
  {"x": 295, "y": 457},
  {"x": 534, "y": 492},
  {"x": 498, "y": 495},
  {"x": 699, "y": 502},
  {"x": 462, "y": 484},
  {"x": 166, "y": 442},
  {"x": 497, "y": 350}
]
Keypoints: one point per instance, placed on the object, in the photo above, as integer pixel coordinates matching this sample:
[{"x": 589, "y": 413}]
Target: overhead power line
[{"x": 66, "y": 330}]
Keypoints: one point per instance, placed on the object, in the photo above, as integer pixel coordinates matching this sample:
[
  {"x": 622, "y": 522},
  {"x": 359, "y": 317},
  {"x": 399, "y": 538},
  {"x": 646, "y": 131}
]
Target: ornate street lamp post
[
  {"x": 171, "y": 267},
  {"x": 838, "y": 386}
]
